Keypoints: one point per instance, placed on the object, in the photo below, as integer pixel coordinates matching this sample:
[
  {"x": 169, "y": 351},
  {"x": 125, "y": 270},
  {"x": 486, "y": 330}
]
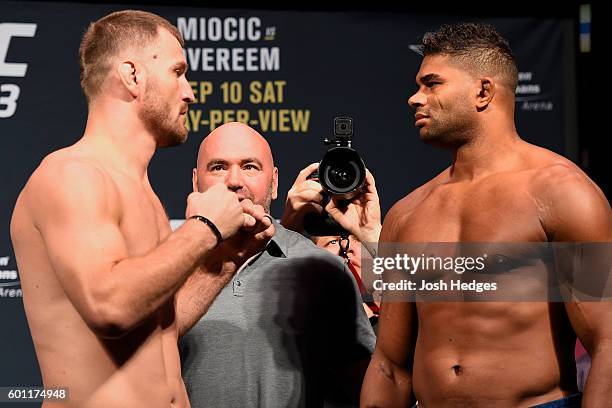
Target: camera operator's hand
[
  {"x": 305, "y": 196},
  {"x": 361, "y": 217}
]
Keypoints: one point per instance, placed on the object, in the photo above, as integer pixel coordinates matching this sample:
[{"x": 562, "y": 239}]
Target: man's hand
[
  {"x": 220, "y": 265},
  {"x": 361, "y": 217},
  {"x": 305, "y": 196},
  {"x": 250, "y": 239},
  {"x": 221, "y": 207}
]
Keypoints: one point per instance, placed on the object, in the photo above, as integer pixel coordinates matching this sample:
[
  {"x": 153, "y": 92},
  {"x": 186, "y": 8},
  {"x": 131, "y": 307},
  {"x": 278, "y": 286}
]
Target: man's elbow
[
  {"x": 109, "y": 319},
  {"x": 386, "y": 385}
]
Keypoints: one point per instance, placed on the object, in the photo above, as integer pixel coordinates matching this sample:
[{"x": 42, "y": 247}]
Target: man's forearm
[
  {"x": 199, "y": 291},
  {"x": 135, "y": 287},
  {"x": 385, "y": 386},
  {"x": 597, "y": 391}
]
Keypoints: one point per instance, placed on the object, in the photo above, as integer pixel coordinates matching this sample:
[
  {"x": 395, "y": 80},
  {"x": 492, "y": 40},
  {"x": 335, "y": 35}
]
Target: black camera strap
[{"x": 367, "y": 298}]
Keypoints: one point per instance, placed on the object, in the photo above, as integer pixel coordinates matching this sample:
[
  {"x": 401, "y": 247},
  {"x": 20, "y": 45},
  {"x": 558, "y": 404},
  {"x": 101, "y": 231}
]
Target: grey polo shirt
[{"x": 280, "y": 333}]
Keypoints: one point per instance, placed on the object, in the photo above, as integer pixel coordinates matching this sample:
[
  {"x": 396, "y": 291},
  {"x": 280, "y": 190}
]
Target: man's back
[
  {"x": 522, "y": 351},
  {"x": 99, "y": 371}
]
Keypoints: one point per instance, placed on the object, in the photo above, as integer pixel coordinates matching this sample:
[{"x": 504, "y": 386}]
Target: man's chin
[
  {"x": 426, "y": 137},
  {"x": 174, "y": 140},
  {"x": 183, "y": 137},
  {"x": 432, "y": 139}
]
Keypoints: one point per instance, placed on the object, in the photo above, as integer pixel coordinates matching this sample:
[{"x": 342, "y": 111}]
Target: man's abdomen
[{"x": 492, "y": 354}]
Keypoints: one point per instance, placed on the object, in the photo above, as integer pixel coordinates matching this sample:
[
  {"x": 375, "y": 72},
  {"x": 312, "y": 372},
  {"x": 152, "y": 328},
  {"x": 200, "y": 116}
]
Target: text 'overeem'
[{"x": 228, "y": 30}]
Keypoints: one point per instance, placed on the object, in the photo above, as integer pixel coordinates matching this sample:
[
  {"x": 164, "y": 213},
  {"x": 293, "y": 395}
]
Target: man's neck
[
  {"x": 488, "y": 153},
  {"x": 120, "y": 139}
]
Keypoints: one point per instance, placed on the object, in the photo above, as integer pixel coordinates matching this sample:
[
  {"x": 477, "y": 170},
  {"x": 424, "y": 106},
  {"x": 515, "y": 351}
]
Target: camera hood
[{"x": 342, "y": 172}]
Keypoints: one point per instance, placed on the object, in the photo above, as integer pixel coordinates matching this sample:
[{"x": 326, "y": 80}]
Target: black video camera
[{"x": 341, "y": 173}]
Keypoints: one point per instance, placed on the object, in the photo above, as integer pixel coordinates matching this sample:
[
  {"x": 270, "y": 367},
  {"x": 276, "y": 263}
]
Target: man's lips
[{"x": 419, "y": 117}]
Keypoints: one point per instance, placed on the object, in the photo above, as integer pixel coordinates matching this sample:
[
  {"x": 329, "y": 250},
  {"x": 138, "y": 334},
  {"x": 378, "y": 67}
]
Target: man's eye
[
  {"x": 332, "y": 242},
  {"x": 251, "y": 167},
  {"x": 216, "y": 168}
]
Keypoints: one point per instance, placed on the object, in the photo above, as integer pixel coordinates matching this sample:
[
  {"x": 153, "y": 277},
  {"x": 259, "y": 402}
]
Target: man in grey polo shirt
[{"x": 289, "y": 329}]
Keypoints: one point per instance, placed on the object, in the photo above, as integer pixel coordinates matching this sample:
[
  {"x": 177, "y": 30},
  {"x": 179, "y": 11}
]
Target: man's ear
[
  {"x": 130, "y": 77},
  {"x": 194, "y": 180},
  {"x": 486, "y": 92},
  {"x": 275, "y": 183}
]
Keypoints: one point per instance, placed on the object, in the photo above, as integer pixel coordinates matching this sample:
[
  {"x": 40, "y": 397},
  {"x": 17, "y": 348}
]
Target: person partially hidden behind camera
[
  {"x": 360, "y": 217},
  {"x": 289, "y": 329},
  {"x": 499, "y": 188},
  {"x": 349, "y": 248}
]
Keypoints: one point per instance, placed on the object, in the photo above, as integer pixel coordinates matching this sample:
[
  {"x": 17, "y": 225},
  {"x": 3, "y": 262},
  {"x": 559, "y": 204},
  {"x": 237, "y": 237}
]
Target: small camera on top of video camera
[
  {"x": 343, "y": 127},
  {"x": 341, "y": 174}
]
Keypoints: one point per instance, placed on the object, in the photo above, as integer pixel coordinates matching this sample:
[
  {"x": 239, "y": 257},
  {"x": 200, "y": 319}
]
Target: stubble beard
[
  {"x": 448, "y": 132},
  {"x": 266, "y": 203},
  {"x": 157, "y": 116}
]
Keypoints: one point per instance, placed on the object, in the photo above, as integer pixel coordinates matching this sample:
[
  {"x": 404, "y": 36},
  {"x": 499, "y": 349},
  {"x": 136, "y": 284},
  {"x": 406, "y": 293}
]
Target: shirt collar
[{"x": 278, "y": 245}]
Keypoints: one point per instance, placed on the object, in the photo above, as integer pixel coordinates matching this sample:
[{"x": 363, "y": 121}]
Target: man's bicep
[
  {"x": 397, "y": 333},
  {"x": 79, "y": 228},
  {"x": 592, "y": 322},
  {"x": 580, "y": 214}
]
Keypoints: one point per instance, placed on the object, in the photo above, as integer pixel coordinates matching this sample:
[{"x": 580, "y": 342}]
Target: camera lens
[
  {"x": 342, "y": 172},
  {"x": 342, "y": 177}
]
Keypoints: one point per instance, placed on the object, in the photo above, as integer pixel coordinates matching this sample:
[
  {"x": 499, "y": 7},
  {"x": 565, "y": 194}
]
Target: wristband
[{"x": 211, "y": 225}]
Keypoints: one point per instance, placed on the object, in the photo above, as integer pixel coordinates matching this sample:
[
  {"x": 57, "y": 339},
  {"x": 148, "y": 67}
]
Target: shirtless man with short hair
[
  {"x": 498, "y": 189},
  {"x": 98, "y": 262}
]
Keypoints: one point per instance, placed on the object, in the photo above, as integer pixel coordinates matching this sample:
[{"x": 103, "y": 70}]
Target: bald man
[
  {"x": 98, "y": 262},
  {"x": 289, "y": 329}
]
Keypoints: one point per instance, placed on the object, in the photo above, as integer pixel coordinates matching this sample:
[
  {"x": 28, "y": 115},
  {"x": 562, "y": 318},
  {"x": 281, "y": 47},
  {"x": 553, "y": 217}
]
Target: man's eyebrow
[
  {"x": 215, "y": 162},
  {"x": 429, "y": 78},
  {"x": 251, "y": 160}
]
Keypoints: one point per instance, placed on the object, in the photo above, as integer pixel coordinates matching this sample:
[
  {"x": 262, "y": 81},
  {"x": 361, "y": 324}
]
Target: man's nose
[
  {"x": 416, "y": 100},
  {"x": 234, "y": 180},
  {"x": 187, "y": 92}
]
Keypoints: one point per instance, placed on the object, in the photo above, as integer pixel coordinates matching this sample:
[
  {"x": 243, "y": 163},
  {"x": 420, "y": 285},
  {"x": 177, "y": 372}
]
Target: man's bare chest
[
  {"x": 144, "y": 223},
  {"x": 484, "y": 212}
]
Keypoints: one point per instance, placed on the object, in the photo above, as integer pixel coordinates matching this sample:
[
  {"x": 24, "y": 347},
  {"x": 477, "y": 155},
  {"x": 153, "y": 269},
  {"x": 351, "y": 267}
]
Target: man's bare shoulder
[
  {"x": 412, "y": 199},
  {"x": 568, "y": 200},
  {"x": 552, "y": 174},
  {"x": 68, "y": 178},
  {"x": 403, "y": 208}
]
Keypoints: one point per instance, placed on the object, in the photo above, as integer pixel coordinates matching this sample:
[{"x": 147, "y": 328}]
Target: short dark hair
[
  {"x": 111, "y": 34},
  {"x": 477, "y": 46}
]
